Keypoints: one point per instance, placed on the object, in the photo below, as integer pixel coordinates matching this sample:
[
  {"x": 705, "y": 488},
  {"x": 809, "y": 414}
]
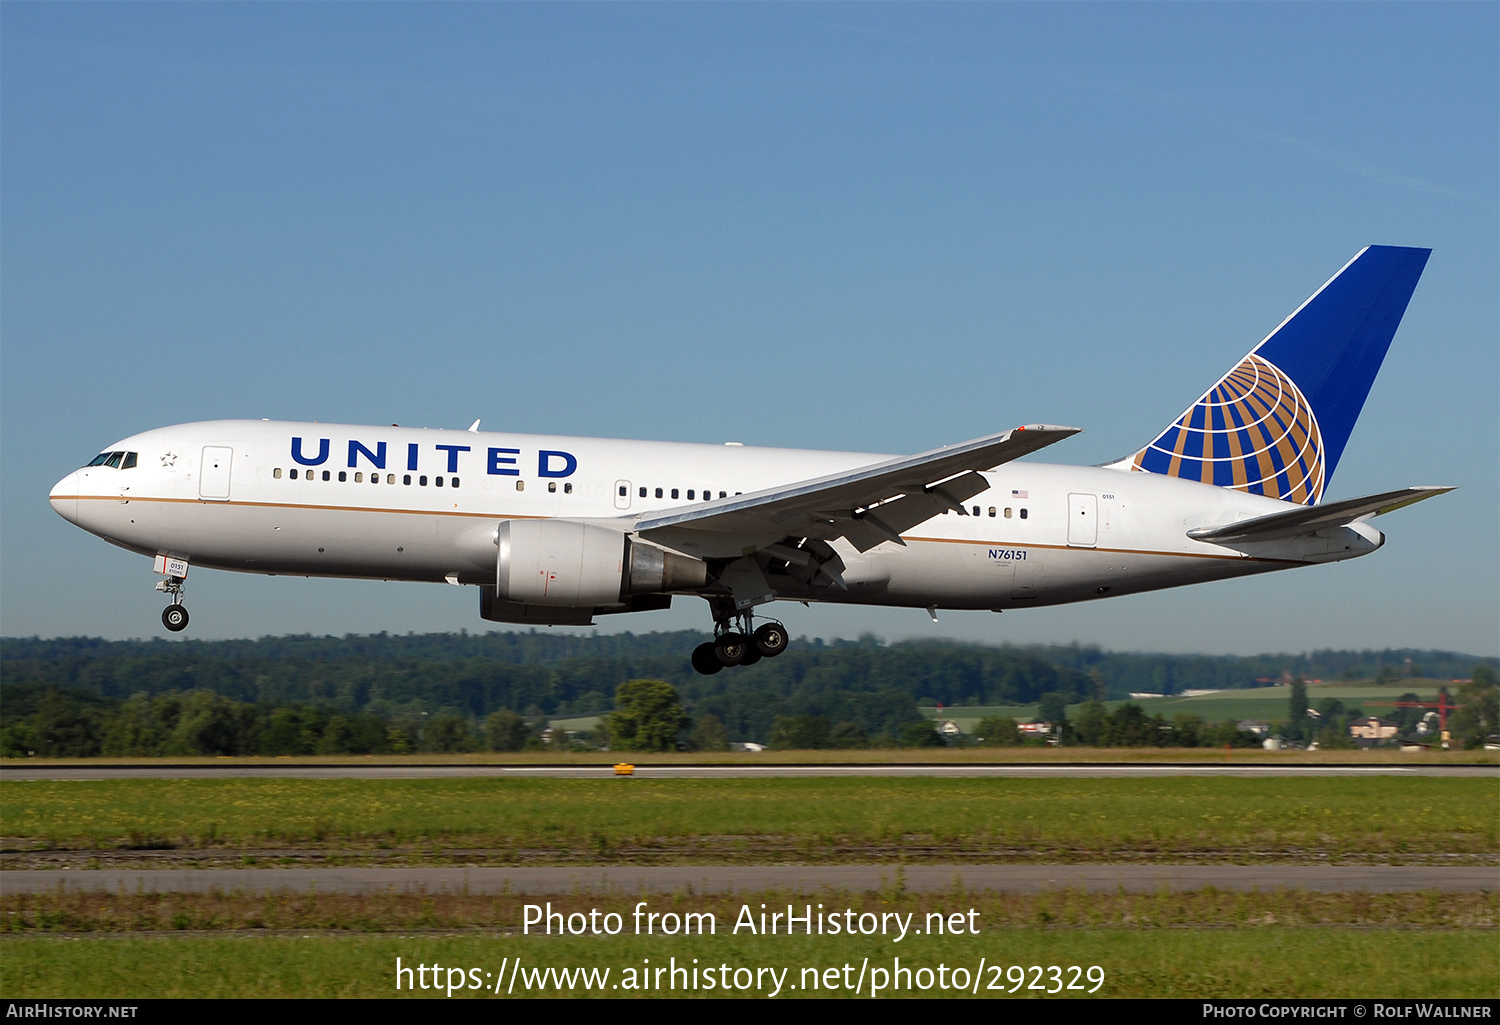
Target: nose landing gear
[
  {"x": 736, "y": 644},
  {"x": 175, "y": 616}
]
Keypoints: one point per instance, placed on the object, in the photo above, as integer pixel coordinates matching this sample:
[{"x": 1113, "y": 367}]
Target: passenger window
[
  {"x": 722, "y": 495},
  {"x": 623, "y": 490},
  {"x": 406, "y": 478},
  {"x": 129, "y": 463},
  {"x": 359, "y": 476},
  {"x": 567, "y": 489},
  {"x": 552, "y": 486},
  {"x": 294, "y": 473},
  {"x": 343, "y": 476},
  {"x": 674, "y": 492},
  {"x": 992, "y": 512},
  {"x": 976, "y": 510},
  {"x": 327, "y": 475},
  {"x": 276, "y": 473},
  {"x": 437, "y": 481},
  {"x": 1007, "y": 512},
  {"x": 1023, "y": 514},
  {"x": 520, "y": 485},
  {"x": 422, "y": 481},
  {"x": 114, "y": 460},
  {"x": 390, "y": 478},
  {"x": 690, "y": 494},
  {"x": 643, "y": 492},
  {"x": 658, "y": 492},
  {"x": 455, "y": 482}
]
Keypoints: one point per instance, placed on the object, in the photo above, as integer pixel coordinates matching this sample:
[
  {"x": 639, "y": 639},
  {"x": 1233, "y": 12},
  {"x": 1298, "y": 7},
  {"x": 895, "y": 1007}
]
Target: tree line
[
  {"x": 444, "y": 692},
  {"x": 575, "y": 674}
]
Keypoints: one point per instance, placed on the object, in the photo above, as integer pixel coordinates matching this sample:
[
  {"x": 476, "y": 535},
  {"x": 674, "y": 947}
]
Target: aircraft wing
[
  {"x": 867, "y": 505},
  {"x": 1307, "y": 519}
]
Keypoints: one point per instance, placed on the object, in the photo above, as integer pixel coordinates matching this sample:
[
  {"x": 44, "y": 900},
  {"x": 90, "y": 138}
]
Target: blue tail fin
[{"x": 1277, "y": 423}]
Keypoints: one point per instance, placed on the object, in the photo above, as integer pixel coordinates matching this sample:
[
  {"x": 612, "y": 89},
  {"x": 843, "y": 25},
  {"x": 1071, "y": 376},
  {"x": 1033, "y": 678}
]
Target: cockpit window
[{"x": 117, "y": 460}]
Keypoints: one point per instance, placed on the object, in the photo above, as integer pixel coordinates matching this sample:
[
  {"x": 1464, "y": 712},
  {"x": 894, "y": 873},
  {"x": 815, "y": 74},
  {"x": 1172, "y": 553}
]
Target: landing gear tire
[
  {"x": 175, "y": 618},
  {"x": 730, "y": 649},
  {"x": 705, "y": 660},
  {"x": 751, "y": 655},
  {"x": 770, "y": 640}
]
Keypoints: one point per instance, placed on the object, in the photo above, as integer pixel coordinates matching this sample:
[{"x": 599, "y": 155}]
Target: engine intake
[{"x": 563, "y": 563}]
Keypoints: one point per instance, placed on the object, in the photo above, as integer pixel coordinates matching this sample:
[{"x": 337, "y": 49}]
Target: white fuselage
[{"x": 366, "y": 502}]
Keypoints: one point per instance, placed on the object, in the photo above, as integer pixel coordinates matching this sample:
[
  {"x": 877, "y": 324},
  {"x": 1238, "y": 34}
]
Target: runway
[
  {"x": 728, "y": 879},
  {"x": 1017, "y": 770}
]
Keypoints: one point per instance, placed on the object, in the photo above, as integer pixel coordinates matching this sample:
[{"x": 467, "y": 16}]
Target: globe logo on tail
[{"x": 1254, "y": 431}]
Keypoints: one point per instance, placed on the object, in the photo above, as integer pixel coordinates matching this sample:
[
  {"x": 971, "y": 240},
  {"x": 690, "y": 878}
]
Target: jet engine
[{"x": 562, "y": 563}]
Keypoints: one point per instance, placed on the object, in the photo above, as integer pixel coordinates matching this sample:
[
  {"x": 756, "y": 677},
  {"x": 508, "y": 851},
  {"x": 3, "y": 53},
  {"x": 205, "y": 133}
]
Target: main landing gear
[
  {"x": 175, "y": 616},
  {"x": 735, "y": 644}
]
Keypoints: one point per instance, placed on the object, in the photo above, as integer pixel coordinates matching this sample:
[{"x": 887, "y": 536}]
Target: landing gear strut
[
  {"x": 737, "y": 642},
  {"x": 175, "y": 616}
]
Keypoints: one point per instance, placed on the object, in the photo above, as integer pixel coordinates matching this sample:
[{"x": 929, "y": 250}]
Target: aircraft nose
[{"x": 64, "y": 497}]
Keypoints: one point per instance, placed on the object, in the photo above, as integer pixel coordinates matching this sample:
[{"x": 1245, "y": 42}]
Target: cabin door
[
  {"x": 213, "y": 476},
  {"x": 1083, "y": 521}
]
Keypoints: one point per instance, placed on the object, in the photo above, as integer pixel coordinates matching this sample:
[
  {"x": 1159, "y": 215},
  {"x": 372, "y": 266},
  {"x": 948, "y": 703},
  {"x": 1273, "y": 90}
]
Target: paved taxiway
[
  {"x": 803, "y": 879},
  {"x": 737, "y": 771}
]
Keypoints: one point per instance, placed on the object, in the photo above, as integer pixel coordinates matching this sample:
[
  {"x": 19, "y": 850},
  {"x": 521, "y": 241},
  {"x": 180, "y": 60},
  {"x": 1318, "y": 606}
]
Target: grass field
[
  {"x": 884, "y": 756},
  {"x": 604, "y": 821},
  {"x": 1268, "y": 703},
  {"x": 581, "y": 724},
  {"x": 1252, "y": 962},
  {"x": 1198, "y": 943},
  {"x": 1204, "y": 943},
  {"x": 78, "y": 912}
]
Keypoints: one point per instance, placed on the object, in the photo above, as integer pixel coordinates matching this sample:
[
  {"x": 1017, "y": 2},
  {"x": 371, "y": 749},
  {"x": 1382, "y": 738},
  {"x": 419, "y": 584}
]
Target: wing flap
[{"x": 1308, "y": 519}]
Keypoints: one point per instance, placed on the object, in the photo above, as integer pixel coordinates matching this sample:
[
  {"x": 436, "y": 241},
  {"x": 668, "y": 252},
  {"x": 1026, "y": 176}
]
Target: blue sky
[{"x": 871, "y": 227}]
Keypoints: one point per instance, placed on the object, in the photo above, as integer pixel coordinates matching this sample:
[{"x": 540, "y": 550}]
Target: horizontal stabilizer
[{"x": 1308, "y": 519}]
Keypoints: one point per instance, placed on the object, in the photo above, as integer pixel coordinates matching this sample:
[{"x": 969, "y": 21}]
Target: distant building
[
  {"x": 748, "y": 745},
  {"x": 1372, "y": 731},
  {"x": 1259, "y": 727},
  {"x": 1144, "y": 696},
  {"x": 1198, "y": 693}
]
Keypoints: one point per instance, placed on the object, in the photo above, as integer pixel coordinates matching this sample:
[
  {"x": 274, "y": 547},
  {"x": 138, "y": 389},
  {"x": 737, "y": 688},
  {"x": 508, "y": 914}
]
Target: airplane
[{"x": 559, "y": 530}]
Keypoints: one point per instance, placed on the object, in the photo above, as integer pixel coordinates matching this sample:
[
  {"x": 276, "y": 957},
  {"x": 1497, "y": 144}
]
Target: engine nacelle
[{"x": 562, "y": 563}]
